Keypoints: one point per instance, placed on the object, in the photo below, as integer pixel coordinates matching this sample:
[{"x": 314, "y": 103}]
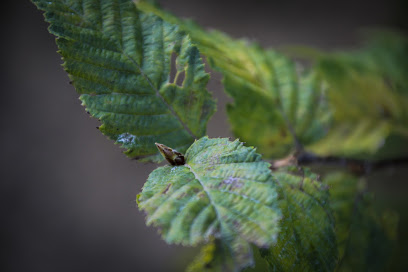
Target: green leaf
[
  {"x": 385, "y": 53},
  {"x": 365, "y": 236},
  {"x": 345, "y": 105},
  {"x": 369, "y": 103},
  {"x": 119, "y": 59},
  {"x": 352, "y": 104},
  {"x": 367, "y": 92},
  {"x": 307, "y": 239},
  {"x": 224, "y": 191},
  {"x": 273, "y": 108}
]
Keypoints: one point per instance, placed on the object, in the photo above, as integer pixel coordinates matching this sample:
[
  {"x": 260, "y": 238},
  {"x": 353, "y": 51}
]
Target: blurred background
[{"x": 68, "y": 194}]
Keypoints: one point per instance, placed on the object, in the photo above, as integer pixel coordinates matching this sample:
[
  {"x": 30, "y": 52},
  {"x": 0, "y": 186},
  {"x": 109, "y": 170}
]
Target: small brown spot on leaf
[
  {"x": 167, "y": 188},
  {"x": 283, "y": 132},
  {"x": 182, "y": 195},
  {"x": 201, "y": 195}
]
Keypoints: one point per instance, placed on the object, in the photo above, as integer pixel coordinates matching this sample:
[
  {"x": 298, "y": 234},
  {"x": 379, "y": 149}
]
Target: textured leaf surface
[
  {"x": 365, "y": 236},
  {"x": 224, "y": 191},
  {"x": 307, "y": 239},
  {"x": 119, "y": 60}
]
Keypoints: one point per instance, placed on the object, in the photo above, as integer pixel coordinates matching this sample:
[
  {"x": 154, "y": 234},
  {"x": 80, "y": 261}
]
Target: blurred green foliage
[{"x": 126, "y": 61}]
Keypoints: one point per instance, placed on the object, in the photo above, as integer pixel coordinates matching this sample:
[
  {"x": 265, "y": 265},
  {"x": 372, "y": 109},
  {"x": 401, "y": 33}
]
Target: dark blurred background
[{"x": 68, "y": 194}]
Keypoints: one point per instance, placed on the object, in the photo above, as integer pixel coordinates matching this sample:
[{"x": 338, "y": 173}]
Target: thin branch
[
  {"x": 287, "y": 161},
  {"x": 354, "y": 165}
]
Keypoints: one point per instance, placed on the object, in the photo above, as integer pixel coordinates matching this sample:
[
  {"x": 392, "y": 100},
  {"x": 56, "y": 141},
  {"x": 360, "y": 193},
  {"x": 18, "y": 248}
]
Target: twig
[
  {"x": 288, "y": 161},
  {"x": 355, "y": 165}
]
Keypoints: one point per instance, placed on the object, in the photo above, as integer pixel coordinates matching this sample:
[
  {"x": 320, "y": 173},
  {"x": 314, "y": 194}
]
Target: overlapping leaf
[
  {"x": 352, "y": 104},
  {"x": 119, "y": 60},
  {"x": 307, "y": 239},
  {"x": 273, "y": 109},
  {"x": 365, "y": 236},
  {"x": 224, "y": 191}
]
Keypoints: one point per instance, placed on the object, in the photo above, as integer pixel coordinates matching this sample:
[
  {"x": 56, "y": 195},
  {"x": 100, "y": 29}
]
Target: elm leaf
[
  {"x": 119, "y": 60},
  {"x": 223, "y": 191},
  {"x": 365, "y": 235}
]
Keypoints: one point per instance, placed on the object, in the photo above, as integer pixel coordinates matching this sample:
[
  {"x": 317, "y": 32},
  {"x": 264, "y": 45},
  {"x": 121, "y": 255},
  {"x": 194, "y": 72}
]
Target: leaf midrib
[
  {"x": 211, "y": 202},
  {"x": 207, "y": 191},
  {"x": 170, "y": 108}
]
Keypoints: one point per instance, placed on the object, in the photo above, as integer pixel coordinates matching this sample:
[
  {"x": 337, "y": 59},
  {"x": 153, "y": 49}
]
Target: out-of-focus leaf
[
  {"x": 214, "y": 257},
  {"x": 119, "y": 60},
  {"x": 350, "y": 104},
  {"x": 273, "y": 108},
  {"x": 368, "y": 95},
  {"x": 224, "y": 191},
  {"x": 307, "y": 239},
  {"x": 365, "y": 236},
  {"x": 385, "y": 53}
]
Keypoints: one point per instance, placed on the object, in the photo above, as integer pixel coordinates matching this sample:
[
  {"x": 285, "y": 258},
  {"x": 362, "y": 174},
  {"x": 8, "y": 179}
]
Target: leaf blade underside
[
  {"x": 224, "y": 191},
  {"x": 119, "y": 61}
]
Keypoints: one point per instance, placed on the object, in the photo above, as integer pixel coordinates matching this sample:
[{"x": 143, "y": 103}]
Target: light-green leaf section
[
  {"x": 224, "y": 191},
  {"x": 213, "y": 257},
  {"x": 368, "y": 95},
  {"x": 120, "y": 60}
]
